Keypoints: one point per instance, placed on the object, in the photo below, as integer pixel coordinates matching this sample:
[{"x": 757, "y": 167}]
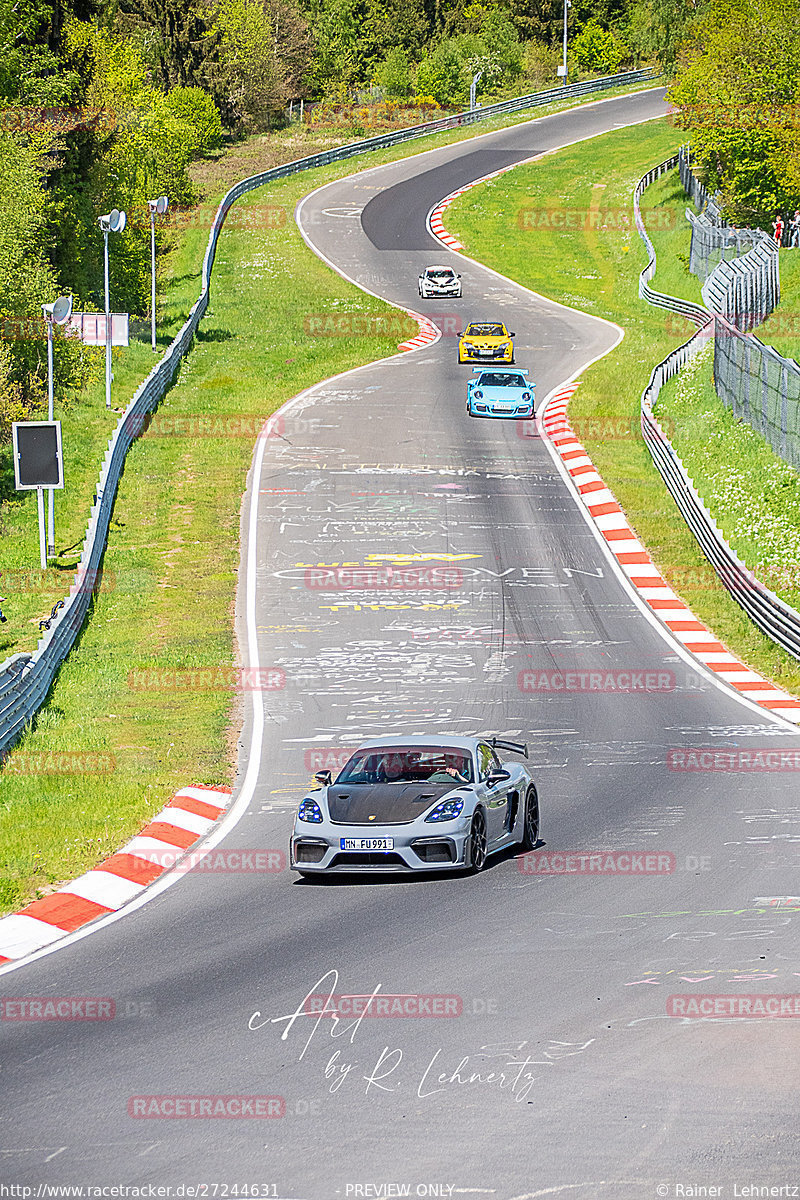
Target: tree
[
  {"x": 442, "y": 74},
  {"x": 178, "y": 35},
  {"x": 393, "y": 75},
  {"x": 596, "y": 49},
  {"x": 27, "y": 281},
  {"x": 263, "y": 48},
  {"x": 337, "y": 26},
  {"x": 31, "y": 71},
  {"x": 392, "y": 25},
  {"x": 199, "y": 117},
  {"x": 737, "y": 87},
  {"x": 656, "y": 29}
]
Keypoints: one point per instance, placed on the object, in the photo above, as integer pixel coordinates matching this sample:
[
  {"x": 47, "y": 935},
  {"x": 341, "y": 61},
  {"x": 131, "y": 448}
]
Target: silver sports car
[{"x": 416, "y": 804}]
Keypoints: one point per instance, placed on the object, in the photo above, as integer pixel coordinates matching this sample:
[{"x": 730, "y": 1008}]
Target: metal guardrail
[
  {"x": 773, "y": 616},
  {"x": 25, "y": 679},
  {"x": 695, "y": 312}
]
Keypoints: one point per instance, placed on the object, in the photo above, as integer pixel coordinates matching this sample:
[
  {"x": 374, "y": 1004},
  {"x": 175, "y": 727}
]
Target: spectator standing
[
  {"x": 777, "y": 225},
  {"x": 794, "y": 228}
]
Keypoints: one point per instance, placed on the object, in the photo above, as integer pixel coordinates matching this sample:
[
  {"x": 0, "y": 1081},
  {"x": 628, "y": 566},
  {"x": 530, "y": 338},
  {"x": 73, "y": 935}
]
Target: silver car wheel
[
  {"x": 530, "y": 831},
  {"x": 477, "y": 842}
]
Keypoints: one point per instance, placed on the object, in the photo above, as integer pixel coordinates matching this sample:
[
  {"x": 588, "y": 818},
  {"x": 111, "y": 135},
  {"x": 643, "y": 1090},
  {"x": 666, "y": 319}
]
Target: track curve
[{"x": 562, "y": 1072}]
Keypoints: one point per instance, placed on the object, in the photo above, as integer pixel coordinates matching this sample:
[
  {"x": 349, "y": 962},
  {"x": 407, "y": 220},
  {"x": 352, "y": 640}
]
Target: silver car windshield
[
  {"x": 408, "y": 764},
  {"x": 442, "y": 276}
]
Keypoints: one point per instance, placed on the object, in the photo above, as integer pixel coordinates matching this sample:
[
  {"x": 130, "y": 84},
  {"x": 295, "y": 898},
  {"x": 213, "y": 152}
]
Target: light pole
[
  {"x": 156, "y": 206},
  {"x": 113, "y": 222},
  {"x": 473, "y": 90},
  {"x": 563, "y": 68},
  {"x": 56, "y": 313}
]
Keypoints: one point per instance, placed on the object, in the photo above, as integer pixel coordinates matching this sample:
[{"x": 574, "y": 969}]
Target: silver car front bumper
[{"x": 315, "y": 849}]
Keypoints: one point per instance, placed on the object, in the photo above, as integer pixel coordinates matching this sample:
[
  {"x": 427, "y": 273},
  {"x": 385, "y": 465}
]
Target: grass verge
[
  {"x": 596, "y": 268},
  {"x": 752, "y": 493}
]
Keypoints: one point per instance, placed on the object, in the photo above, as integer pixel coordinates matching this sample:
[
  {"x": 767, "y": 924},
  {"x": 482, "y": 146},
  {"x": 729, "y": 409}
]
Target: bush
[
  {"x": 597, "y": 49},
  {"x": 442, "y": 74},
  {"x": 393, "y": 75},
  {"x": 199, "y": 118}
]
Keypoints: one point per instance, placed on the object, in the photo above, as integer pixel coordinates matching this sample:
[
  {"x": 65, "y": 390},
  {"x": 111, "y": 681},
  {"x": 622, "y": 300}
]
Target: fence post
[
  {"x": 784, "y": 408},
  {"x": 745, "y": 411}
]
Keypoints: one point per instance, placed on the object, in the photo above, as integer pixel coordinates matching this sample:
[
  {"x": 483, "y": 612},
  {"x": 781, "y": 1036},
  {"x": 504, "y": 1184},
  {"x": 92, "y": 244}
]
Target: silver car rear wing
[{"x": 516, "y": 747}]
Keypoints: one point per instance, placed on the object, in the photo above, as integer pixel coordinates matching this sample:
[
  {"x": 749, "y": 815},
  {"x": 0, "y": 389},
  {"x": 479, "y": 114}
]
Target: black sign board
[{"x": 37, "y": 454}]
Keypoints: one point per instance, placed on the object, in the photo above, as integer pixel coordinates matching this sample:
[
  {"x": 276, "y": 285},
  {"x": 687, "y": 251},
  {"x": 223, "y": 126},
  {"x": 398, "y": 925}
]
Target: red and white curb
[
  {"x": 435, "y": 224},
  {"x": 637, "y": 565},
  {"x": 187, "y": 817},
  {"x": 427, "y": 333}
]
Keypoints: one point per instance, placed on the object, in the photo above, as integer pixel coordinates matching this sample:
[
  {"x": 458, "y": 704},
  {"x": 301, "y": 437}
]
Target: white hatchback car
[{"x": 439, "y": 281}]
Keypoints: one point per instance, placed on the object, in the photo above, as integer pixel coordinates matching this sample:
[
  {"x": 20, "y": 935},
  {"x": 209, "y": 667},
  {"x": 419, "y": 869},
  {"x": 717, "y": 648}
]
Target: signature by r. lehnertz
[{"x": 391, "y": 1070}]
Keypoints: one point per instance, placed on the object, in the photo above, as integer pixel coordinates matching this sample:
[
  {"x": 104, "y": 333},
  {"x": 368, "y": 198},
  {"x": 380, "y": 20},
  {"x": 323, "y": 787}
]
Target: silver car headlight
[
  {"x": 310, "y": 811},
  {"x": 448, "y": 810}
]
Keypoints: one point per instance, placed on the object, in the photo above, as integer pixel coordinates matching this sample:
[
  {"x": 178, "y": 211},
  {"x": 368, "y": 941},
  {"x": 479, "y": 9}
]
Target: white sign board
[{"x": 91, "y": 328}]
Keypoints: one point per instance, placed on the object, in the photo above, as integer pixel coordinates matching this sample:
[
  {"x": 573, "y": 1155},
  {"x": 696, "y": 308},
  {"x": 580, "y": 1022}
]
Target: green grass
[
  {"x": 664, "y": 206},
  {"x": 782, "y": 328},
  {"x": 86, "y": 427},
  {"x": 596, "y": 268},
  {"x": 173, "y": 551},
  {"x": 753, "y": 494}
]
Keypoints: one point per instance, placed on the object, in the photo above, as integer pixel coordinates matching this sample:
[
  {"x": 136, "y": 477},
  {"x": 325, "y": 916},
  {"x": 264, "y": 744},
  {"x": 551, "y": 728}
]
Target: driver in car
[
  {"x": 394, "y": 768},
  {"x": 449, "y": 771}
]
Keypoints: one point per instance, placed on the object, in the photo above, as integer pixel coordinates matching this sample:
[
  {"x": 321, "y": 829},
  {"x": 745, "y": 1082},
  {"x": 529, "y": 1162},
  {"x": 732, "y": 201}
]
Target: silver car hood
[{"x": 383, "y": 803}]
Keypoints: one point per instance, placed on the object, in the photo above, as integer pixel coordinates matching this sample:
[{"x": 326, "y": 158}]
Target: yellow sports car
[{"x": 486, "y": 341}]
